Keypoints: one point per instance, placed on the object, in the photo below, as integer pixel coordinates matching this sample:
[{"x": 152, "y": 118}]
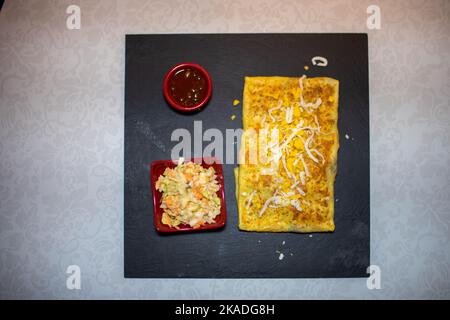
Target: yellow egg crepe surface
[{"x": 289, "y": 185}]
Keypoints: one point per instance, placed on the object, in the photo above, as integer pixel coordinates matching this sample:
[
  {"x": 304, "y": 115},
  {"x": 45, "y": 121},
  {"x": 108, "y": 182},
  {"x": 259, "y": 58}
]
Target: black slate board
[{"x": 230, "y": 253}]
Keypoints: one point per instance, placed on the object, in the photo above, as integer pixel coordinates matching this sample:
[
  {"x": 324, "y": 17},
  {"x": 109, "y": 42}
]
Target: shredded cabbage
[{"x": 189, "y": 195}]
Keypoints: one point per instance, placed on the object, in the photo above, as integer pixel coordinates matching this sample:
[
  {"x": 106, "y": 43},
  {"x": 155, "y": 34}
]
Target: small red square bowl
[{"x": 157, "y": 169}]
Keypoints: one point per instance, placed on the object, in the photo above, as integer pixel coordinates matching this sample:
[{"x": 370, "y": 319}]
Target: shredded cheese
[
  {"x": 304, "y": 165},
  {"x": 319, "y": 61},
  {"x": 310, "y": 105},
  {"x": 317, "y": 123},
  {"x": 273, "y": 198},
  {"x": 263, "y": 120},
  {"x": 293, "y": 134},
  {"x": 248, "y": 201},
  {"x": 284, "y": 194},
  {"x": 273, "y": 109},
  {"x": 294, "y": 185},
  {"x": 264, "y": 208},
  {"x": 283, "y": 160},
  {"x": 296, "y": 204},
  {"x": 300, "y": 191},
  {"x": 319, "y": 154},
  {"x": 308, "y": 151},
  {"x": 302, "y": 177},
  {"x": 289, "y": 113}
]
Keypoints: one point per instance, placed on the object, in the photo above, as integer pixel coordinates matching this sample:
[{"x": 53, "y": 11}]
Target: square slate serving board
[{"x": 230, "y": 253}]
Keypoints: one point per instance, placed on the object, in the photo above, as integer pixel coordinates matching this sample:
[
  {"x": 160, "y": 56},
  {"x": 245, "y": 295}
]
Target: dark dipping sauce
[{"x": 188, "y": 87}]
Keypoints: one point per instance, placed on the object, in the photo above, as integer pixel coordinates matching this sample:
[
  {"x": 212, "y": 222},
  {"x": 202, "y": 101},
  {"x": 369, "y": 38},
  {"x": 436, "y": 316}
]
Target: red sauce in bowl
[{"x": 187, "y": 87}]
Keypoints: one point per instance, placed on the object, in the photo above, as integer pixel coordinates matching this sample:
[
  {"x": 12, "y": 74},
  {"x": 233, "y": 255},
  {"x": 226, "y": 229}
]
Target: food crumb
[
  {"x": 306, "y": 67},
  {"x": 283, "y": 243},
  {"x": 292, "y": 254},
  {"x": 281, "y": 257},
  {"x": 337, "y": 200},
  {"x": 236, "y": 102},
  {"x": 310, "y": 235},
  {"x": 347, "y": 136},
  {"x": 233, "y": 117}
]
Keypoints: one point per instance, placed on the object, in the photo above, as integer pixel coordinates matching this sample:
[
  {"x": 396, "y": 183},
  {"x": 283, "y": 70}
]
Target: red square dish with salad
[{"x": 188, "y": 195}]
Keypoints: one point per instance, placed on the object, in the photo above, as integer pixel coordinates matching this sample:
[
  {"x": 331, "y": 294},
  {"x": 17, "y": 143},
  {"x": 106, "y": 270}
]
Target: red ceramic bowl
[
  {"x": 174, "y": 104},
  {"x": 157, "y": 168}
]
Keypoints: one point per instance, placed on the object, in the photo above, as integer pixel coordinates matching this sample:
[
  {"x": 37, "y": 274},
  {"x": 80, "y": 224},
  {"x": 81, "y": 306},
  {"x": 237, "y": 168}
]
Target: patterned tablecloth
[{"x": 61, "y": 143}]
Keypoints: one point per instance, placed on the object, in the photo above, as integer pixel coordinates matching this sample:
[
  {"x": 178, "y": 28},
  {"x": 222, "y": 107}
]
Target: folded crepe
[{"x": 288, "y": 186}]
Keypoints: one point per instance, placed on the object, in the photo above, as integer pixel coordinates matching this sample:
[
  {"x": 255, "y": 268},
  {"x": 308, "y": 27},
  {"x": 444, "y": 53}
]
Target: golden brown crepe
[{"x": 292, "y": 190}]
